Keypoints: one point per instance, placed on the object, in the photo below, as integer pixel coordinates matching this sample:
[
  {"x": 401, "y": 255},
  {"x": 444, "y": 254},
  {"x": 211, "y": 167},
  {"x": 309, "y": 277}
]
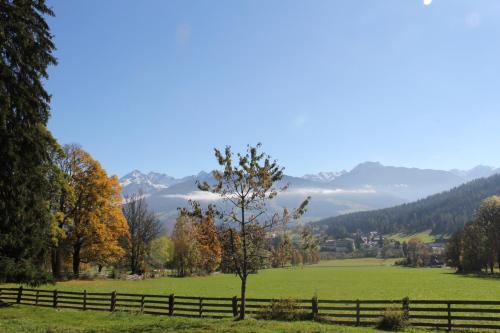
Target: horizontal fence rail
[{"x": 447, "y": 314}]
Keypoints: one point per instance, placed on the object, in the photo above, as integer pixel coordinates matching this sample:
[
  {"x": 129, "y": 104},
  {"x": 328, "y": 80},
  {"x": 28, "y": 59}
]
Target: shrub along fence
[{"x": 448, "y": 314}]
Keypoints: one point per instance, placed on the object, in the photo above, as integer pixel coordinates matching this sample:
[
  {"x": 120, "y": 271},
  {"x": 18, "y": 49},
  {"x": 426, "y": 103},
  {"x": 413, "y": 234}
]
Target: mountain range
[
  {"x": 368, "y": 186},
  {"x": 441, "y": 214}
]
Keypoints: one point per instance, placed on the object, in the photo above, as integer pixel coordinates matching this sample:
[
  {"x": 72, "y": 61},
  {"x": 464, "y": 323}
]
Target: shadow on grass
[{"x": 478, "y": 275}]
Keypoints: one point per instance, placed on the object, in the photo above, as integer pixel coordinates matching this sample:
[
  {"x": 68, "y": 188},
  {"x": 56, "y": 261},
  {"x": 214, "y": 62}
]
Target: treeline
[
  {"x": 443, "y": 213},
  {"x": 93, "y": 226},
  {"x": 59, "y": 209},
  {"x": 60, "y": 212},
  {"x": 419, "y": 254},
  {"x": 477, "y": 246},
  {"x": 201, "y": 247}
]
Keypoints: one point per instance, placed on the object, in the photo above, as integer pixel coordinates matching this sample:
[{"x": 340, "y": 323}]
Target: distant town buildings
[{"x": 339, "y": 245}]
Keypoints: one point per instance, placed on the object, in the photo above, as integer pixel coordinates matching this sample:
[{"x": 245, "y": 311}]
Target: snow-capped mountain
[{"x": 149, "y": 183}]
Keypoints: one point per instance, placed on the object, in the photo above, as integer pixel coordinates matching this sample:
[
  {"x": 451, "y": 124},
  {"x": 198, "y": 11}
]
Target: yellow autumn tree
[
  {"x": 104, "y": 246},
  {"x": 208, "y": 239},
  {"x": 98, "y": 223},
  {"x": 197, "y": 248}
]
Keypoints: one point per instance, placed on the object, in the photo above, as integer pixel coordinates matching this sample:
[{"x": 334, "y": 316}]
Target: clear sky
[{"x": 324, "y": 85}]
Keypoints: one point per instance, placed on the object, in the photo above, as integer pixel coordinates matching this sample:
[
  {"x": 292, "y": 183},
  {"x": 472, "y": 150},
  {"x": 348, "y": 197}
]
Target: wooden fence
[{"x": 434, "y": 314}]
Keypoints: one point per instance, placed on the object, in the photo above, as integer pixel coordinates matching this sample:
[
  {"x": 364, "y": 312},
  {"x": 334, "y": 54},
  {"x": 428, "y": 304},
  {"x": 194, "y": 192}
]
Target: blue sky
[{"x": 324, "y": 85}]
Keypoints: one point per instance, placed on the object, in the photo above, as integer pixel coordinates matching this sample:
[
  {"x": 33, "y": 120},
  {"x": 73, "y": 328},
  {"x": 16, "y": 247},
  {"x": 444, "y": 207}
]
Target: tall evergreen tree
[{"x": 25, "y": 53}]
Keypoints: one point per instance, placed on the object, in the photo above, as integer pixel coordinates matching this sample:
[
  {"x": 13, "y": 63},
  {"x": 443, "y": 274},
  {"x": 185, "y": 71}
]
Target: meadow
[
  {"x": 337, "y": 279},
  {"x": 424, "y": 236}
]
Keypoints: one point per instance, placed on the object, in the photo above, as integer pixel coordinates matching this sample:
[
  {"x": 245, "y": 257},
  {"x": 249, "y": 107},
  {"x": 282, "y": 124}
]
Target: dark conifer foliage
[{"x": 26, "y": 49}]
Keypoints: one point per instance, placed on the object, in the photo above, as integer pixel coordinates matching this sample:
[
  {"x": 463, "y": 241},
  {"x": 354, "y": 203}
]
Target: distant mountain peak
[
  {"x": 324, "y": 176},
  {"x": 153, "y": 173},
  {"x": 149, "y": 183},
  {"x": 442, "y": 213},
  {"x": 202, "y": 173},
  {"x": 133, "y": 173},
  {"x": 368, "y": 165},
  {"x": 479, "y": 171}
]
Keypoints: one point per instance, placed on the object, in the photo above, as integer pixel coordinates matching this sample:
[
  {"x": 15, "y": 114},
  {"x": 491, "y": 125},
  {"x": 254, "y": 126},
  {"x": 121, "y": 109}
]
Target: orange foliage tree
[
  {"x": 98, "y": 223},
  {"x": 210, "y": 245}
]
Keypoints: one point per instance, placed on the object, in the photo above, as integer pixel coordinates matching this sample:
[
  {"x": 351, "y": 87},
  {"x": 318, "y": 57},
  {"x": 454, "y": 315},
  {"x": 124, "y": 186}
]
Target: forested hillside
[{"x": 443, "y": 213}]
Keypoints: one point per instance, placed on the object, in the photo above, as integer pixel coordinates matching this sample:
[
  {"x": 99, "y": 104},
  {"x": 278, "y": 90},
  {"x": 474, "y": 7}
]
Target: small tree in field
[{"x": 246, "y": 183}]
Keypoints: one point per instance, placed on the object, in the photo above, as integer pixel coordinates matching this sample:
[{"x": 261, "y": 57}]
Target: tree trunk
[
  {"x": 76, "y": 260},
  {"x": 245, "y": 263},
  {"x": 132, "y": 264},
  {"x": 56, "y": 263},
  {"x": 243, "y": 297}
]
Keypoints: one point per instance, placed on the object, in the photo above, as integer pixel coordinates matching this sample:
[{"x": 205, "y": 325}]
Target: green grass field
[
  {"x": 338, "y": 279},
  {"x": 361, "y": 262},
  {"x": 19, "y": 319},
  {"x": 424, "y": 236}
]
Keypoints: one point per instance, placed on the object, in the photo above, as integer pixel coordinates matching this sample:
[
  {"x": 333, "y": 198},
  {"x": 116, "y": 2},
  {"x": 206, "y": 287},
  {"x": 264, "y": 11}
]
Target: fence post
[
  {"x": 449, "y": 316},
  {"x": 113, "y": 301},
  {"x": 171, "y": 302},
  {"x": 0, "y": 294},
  {"x": 19, "y": 294},
  {"x": 357, "y": 312},
  {"x": 54, "y": 301},
  {"x": 200, "y": 309},
  {"x": 36, "y": 297},
  {"x": 406, "y": 307},
  {"x": 314, "y": 305},
  {"x": 142, "y": 303},
  {"x": 235, "y": 306},
  {"x": 85, "y": 300}
]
